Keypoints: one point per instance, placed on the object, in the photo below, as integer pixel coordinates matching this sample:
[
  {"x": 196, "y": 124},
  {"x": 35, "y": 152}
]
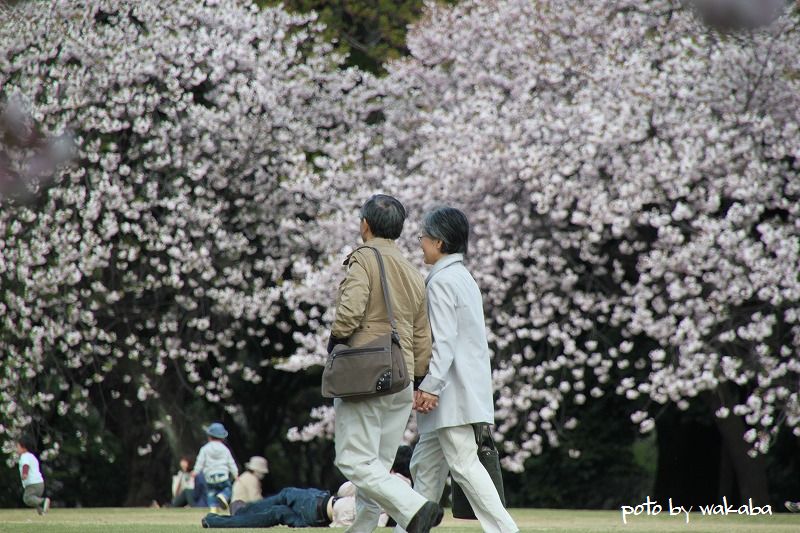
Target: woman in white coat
[{"x": 457, "y": 391}]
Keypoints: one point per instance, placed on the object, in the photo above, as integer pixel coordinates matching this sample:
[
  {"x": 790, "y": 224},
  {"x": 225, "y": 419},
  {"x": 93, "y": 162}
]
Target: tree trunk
[
  {"x": 688, "y": 459},
  {"x": 149, "y": 474},
  {"x": 751, "y": 474},
  {"x": 727, "y": 477}
]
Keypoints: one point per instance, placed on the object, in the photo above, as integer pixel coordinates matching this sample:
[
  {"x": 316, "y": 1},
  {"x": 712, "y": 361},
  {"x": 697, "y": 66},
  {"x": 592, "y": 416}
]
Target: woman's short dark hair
[
  {"x": 385, "y": 216},
  {"x": 450, "y": 226}
]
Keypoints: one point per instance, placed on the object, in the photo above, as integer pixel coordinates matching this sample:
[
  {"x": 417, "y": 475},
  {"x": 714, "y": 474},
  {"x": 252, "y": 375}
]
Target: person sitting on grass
[
  {"x": 32, "y": 479},
  {"x": 187, "y": 490},
  {"x": 183, "y": 484},
  {"x": 248, "y": 487}
]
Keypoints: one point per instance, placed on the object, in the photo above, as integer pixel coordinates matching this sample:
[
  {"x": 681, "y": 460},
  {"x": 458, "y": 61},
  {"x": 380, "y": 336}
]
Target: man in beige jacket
[{"x": 369, "y": 431}]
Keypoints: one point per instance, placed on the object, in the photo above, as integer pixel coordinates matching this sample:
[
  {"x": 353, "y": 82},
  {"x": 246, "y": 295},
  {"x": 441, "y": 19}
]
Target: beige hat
[{"x": 257, "y": 464}]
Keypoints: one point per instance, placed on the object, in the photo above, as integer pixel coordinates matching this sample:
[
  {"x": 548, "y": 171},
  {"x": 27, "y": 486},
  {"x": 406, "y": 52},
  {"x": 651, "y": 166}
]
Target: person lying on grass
[{"x": 293, "y": 507}]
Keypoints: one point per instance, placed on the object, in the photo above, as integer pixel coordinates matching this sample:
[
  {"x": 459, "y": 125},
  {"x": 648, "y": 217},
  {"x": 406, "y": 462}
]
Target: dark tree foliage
[
  {"x": 612, "y": 467},
  {"x": 372, "y": 32}
]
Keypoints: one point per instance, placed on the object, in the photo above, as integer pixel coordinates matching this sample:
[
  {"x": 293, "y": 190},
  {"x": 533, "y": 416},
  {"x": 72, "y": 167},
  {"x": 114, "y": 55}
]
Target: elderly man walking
[{"x": 368, "y": 431}]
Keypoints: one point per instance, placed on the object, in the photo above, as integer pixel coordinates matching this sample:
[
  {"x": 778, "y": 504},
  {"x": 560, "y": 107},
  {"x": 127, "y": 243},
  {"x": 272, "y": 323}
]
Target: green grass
[{"x": 130, "y": 520}]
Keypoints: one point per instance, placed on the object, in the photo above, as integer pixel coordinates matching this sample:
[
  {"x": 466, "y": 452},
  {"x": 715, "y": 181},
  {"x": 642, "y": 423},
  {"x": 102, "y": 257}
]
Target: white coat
[{"x": 460, "y": 370}]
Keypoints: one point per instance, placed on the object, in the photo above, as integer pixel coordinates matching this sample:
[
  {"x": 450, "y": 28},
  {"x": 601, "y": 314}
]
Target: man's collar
[
  {"x": 376, "y": 242},
  {"x": 380, "y": 242}
]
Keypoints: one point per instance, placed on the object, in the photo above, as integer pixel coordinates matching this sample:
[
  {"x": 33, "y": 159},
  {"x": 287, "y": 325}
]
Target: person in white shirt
[
  {"x": 457, "y": 391},
  {"x": 183, "y": 484},
  {"x": 32, "y": 479},
  {"x": 216, "y": 463}
]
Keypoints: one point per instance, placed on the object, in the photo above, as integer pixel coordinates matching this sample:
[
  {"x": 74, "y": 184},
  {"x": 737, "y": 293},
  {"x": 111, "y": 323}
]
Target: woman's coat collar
[{"x": 443, "y": 263}]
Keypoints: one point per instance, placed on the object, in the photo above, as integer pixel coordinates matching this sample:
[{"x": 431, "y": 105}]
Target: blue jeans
[
  {"x": 292, "y": 507},
  {"x": 199, "y": 491},
  {"x": 221, "y": 487}
]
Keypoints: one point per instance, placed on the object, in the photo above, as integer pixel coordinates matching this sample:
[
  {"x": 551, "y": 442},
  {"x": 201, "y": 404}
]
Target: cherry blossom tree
[
  {"x": 632, "y": 180},
  {"x": 153, "y": 268},
  {"x": 633, "y": 187},
  {"x": 631, "y": 177}
]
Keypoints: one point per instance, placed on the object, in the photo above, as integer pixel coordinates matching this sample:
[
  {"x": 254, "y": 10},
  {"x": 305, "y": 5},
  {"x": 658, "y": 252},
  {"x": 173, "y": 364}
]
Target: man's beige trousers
[{"x": 368, "y": 433}]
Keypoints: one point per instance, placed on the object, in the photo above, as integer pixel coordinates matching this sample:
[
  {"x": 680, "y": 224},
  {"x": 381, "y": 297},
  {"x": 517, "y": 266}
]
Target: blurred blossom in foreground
[
  {"x": 734, "y": 15},
  {"x": 29, "y": 159}
]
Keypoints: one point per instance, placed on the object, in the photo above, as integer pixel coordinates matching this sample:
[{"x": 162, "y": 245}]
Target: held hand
[{"x": 425, "y": 402}]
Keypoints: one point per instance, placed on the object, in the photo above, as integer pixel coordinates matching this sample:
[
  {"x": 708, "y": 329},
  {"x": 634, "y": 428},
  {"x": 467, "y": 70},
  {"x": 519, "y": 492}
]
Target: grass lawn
[{"x": 130, "y": 520}]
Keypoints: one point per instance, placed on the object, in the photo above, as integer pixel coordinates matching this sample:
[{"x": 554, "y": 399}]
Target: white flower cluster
[
  {"x": 633, "y": 183},
  {"x": 323, "y": 426},
  {"x": 159, "y": 260}
]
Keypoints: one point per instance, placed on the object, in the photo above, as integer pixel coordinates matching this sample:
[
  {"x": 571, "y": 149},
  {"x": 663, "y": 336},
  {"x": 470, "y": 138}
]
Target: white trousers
[
  {"x": 453, "y": 450},
  {"x": 368, "y": 433}
]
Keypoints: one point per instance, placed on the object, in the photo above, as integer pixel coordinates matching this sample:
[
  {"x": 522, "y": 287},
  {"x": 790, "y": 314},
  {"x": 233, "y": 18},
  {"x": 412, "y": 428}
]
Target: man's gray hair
[{"x": 385, "y": 216}]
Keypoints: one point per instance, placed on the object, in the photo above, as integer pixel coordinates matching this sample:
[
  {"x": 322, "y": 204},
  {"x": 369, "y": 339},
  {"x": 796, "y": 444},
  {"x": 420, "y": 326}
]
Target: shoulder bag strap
[{"x": 386, "y": 296}]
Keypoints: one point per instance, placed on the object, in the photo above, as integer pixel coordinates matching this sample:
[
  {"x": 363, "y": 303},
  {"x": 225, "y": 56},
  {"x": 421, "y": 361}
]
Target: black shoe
[
  {"x": 439, "y": 517},
  {"x": 430, "y": 515},
  {"x": 204, "y": 523}
]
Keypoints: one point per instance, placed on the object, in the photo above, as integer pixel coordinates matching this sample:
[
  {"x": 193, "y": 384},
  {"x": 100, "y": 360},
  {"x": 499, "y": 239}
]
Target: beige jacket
[
  {"x": 361, "y": 312},
  {"x": 247, "y": 488}
]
